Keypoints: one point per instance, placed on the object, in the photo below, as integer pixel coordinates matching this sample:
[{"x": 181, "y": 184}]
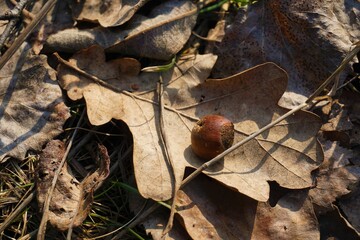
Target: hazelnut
[{"x": 212, "y": 135}]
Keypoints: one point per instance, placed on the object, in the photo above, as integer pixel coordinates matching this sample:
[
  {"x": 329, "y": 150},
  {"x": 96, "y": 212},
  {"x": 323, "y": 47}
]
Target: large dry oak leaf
[{"x": 287, "y": 153}]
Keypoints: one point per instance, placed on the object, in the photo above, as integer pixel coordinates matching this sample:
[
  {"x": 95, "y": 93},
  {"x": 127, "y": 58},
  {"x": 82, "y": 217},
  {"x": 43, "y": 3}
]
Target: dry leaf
[
  {"x": 156, "y": 223},
  {"x": 307, "y": 38},
  {"x": 107, "y": 13},
  {"x": 274, "y": 156},
  {"x": 160, "y": 35},
  {"x": 71, "y": 199},
  {"x": 293, "y": 217},
  {"x": 102, "y": 103},
  {"x": 331, "y": 185},
  {"x": 335, "y": 178},
  {"x": 215, "y": 35},
  {"x": 210, "y": 211},
  {"x": 287, "y": 153},
  {"x": 335, "y": 156},
  {"x": 32, "y": 110},
  {"x": 350, "y": 206},
  {"x": 132, "y": 111},
  {"x": 339, "y": 119}
]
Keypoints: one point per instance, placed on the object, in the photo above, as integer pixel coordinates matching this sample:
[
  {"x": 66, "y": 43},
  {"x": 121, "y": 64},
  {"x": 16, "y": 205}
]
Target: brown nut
[{"x": 212, "y": 135}]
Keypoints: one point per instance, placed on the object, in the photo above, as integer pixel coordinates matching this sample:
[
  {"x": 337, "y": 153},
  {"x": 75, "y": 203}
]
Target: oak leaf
[
  {"x": 287, "y": 153},
  {"x": 207, "y": 210},
  {"x": 307, "y": 38}
]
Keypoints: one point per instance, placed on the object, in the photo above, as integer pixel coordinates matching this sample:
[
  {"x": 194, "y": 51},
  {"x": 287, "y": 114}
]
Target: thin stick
[
  {"x": 22, "y": 37},
  {"x": 165, "y": 141},
  {"x": 13, "y": 15},
  {"x": 44, "y": 219}
]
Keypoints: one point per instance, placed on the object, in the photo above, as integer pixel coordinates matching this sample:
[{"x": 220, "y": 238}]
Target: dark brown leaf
[
  {"x": 335, "y": 178},
  {"x": 32, "y": 110},
  {"x": 350, "y": 206},
  {"x": 307, "y": 38},
  {"x": 71, "y": 198},
  {"x": 210, "y": 211}
]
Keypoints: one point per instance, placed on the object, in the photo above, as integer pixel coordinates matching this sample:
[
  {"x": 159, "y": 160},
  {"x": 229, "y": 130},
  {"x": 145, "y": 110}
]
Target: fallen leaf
[
  {"x": 350, "y": 205},
  {"x": 71, "y": 200},
  {"x": 335, "y": 155},
  {"x": 331, "y": 185},
  {"x": 156, "y": 223},
  {"x": 335, "y": 178},
  {"x": 32, "y": 110},
  {"x": 159, "y": 35},
  {"x": 292, "y": 218},
  {"x": 210, "y": 211},
  {"x": 287, "y": 153},
  {"x": 103, "y": 104},
  {"x": 307, "y": 38},
  {"x": 107, "y": 13},
  {"x": 272, "y": 156}
]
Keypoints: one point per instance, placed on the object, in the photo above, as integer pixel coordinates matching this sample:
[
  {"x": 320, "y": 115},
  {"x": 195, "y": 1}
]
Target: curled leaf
[{"x": 71, "y": 200}]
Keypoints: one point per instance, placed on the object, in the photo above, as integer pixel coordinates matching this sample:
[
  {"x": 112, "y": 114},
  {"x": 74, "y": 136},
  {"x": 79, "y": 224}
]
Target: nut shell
[{"x": 212, "y": 135}]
